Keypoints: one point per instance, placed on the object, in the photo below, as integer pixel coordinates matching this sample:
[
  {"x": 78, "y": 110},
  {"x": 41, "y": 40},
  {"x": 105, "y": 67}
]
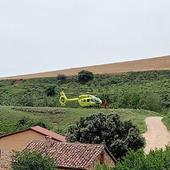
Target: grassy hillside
[
  {"x": 60, "y": 119},
  {"x": 139, "y": 90},
  {"x": 157, "y": 63}
]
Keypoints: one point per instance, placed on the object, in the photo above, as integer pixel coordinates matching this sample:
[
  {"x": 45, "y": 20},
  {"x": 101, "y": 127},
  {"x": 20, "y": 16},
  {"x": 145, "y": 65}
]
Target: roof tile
[
  {"x": 68, "y": 155},
  {"x": 49, "y": 133}
]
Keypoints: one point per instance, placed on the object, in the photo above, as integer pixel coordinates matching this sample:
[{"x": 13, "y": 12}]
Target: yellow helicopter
[{"x": 84, "y": 100}]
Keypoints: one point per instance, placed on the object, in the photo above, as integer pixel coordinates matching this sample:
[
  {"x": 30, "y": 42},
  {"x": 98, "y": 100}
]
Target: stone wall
[{"x": 103, "y": 158}]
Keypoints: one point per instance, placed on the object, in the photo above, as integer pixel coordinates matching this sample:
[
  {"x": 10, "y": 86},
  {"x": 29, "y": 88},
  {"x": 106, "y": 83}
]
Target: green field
[
  {"x": 61, "y": 118},
  {"x": 129, "y": 95},
  {"x": 138, "y": 90}
]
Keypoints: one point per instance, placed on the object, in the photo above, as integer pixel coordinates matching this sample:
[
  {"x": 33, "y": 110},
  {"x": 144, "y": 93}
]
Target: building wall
[
  {"x": 19, "y": 141},
  {"x": 102, "y": 159},
  {"x": 5, "y": 159},
  {"x": 108, "y": 160}
]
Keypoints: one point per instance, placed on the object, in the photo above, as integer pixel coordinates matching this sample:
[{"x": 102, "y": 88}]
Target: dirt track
[
  {"x": 159, "y": 63},
  {"x": 157, "y": 135}
]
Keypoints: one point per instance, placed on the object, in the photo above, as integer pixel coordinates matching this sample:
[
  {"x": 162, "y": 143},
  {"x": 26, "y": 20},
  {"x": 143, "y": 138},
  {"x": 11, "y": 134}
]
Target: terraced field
[{"x": 61, "y": 118}]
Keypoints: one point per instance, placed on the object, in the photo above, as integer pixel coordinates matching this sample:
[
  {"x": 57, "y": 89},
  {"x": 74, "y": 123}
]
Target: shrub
[
  {"x": 151, "y": 101},
  {"x": 103, "y": 167},
  {"x": 51, "y": 91},
  {"x": 85, "y": 76},
  {"x": 119, "y": 136},
  {"x": 127, "y": 90},
  {"x": 155, "y": 160},
  {"x": 27, "y": 160},
  {"x": 26, "y": 122},
  {"x": 25, "y": 100},
  {"x": 62, "y": 78}
]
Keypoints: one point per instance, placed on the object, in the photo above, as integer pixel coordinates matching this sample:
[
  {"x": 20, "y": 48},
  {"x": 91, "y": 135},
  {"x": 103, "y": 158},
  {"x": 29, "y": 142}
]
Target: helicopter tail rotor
[{"x": 63, "y": 98}]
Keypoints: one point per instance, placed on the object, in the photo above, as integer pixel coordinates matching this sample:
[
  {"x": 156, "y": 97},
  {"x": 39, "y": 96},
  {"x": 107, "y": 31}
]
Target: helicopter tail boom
[{"x": 63, "y": 99}]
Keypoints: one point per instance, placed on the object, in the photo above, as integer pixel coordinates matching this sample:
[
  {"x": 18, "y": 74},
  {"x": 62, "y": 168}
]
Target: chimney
[{"x": 49, "y": 141}]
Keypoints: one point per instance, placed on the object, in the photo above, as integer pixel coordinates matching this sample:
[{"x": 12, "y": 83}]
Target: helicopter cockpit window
[{"x": 93, "y": 100}]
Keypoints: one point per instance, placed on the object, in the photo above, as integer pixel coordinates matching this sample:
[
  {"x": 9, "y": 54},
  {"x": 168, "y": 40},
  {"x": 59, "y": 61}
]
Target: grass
[
  {"x": 148, "y": 90},
  {"x": 62, "y": 118}
]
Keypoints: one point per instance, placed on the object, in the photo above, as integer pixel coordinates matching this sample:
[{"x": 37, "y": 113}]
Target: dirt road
[{"x": 157, "y": 135}]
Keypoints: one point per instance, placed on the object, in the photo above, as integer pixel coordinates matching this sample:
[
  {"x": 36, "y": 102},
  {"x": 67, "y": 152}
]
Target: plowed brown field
[{"x": 159, "y": 63}]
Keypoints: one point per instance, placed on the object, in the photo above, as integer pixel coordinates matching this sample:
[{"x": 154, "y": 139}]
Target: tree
[
  {"x": 155, "y": 160},
  {"x": 62, "y": 78},
  {"x": 26, "y": 122},
  {"x": 85, "y": 76},
  {"x": 27, "y": 160},
  {"x": 51, "y": 91},
  {"x": 119, "y": 136}
]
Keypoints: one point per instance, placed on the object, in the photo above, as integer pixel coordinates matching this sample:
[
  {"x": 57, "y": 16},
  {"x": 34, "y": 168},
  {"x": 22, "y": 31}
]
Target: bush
[
  {"x": 26, "y": 122},
  {"x": 151, "y": 101},
  {"x": 155, "y": 160},
  {"x": 25, "y": 100},
  {"x": 127, "y": 90},
  {"x": 103, "y": 167},
  {"x": 27, "y": 160},
  {"x": 51, "y": 91},
  {"x": 117, "y": 135},
  {"x": 62, "y": 78},
  {"x": 85, "y": 76}
]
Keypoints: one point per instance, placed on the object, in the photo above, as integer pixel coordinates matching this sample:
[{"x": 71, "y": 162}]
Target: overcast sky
[{"x": 42, "y": 35}]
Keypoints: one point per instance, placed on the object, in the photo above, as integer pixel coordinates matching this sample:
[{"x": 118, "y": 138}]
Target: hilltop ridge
[{"x": 157, "y": 63}]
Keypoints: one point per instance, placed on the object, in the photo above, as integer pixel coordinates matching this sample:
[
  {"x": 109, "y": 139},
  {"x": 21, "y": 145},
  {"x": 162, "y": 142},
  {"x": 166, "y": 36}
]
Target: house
[
  {"x": 18, "y": 140},
  {"x": 74, "y": 155}
]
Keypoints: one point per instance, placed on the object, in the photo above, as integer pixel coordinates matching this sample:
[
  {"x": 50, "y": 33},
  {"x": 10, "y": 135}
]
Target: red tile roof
[
  {"x": 49, "y": 133},
  {"x": 69, "y": 155},
  {"x": 42, "y": 131}
]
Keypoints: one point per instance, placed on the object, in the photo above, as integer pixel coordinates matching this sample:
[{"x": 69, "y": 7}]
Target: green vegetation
[
  {"x": 155, "y": 160},
  {"x": 51, "y": 91},
  {"x": 12, "y": 120},
  {"x": 103, "y": 167},
  {"x": 26, "y": 122},
  {"x": 85, "y": 76},
  {"x": 26, "y": 103},
  {"x": 59, "y": 119},
  {"x": 139, "y": 90},
  {"x": 166, "y": 119},
  {"x": 27, "y": 160},
  {"x": 119, "y": 136}
]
